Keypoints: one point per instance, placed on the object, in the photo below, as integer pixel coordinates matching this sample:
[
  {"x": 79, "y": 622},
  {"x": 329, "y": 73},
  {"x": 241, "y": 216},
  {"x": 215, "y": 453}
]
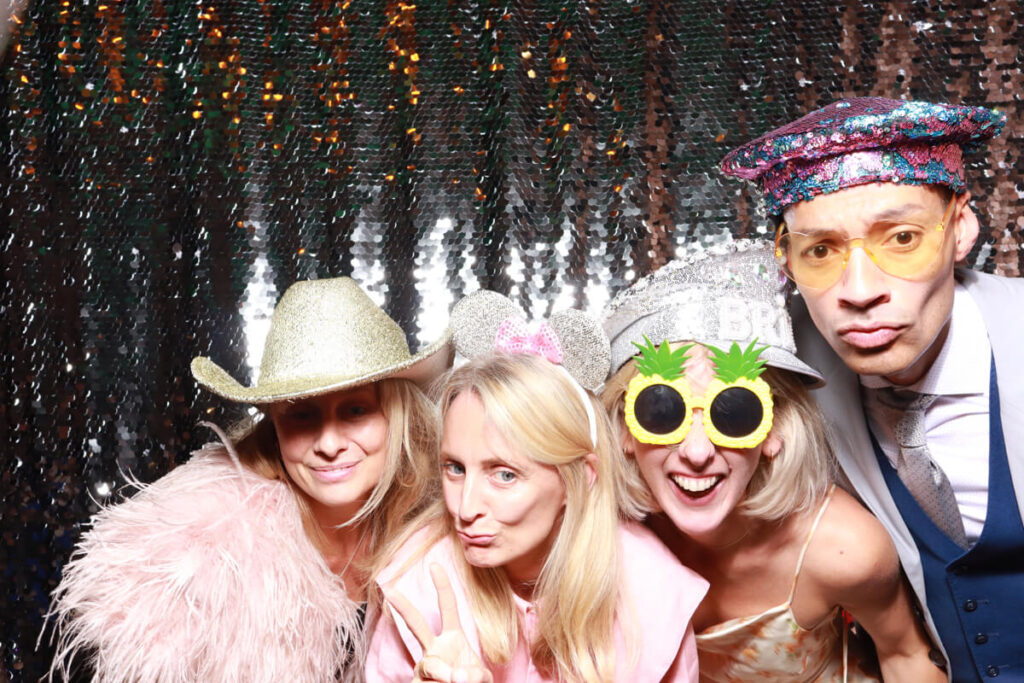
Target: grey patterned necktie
[{"x": 923, "y": 478}]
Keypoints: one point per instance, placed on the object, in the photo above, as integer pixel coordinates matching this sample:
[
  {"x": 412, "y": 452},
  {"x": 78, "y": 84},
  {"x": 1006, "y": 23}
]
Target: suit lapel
[{"x": 1000, "y": 301}]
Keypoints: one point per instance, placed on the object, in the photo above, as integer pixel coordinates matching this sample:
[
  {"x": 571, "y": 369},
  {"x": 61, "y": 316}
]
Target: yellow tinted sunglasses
[{"x": 904, "y": 248}]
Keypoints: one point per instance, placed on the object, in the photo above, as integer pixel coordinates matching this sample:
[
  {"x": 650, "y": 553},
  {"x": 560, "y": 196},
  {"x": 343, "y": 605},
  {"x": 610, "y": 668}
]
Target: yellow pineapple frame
[{"x": 716, "y": 386}]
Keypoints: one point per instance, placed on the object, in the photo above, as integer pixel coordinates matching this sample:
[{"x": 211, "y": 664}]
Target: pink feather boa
[{"x": 205, "y": 575}]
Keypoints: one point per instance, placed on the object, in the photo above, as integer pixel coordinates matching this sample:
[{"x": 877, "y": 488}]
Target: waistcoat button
[
  {"x": 992, "y": 671},
  {"x": 981, "y": 639},
  {"x": 970, "y": 605}
]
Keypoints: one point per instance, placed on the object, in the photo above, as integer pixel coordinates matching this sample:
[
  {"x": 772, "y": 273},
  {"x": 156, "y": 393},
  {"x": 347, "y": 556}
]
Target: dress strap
[
  {"x": 846, "y": 647},
  {"x": 807, "y": 542}
]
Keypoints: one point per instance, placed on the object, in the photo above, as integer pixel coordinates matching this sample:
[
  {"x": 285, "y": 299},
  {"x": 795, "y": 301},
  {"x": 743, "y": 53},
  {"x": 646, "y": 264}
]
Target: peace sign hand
[{"x": 447, "y": 656}]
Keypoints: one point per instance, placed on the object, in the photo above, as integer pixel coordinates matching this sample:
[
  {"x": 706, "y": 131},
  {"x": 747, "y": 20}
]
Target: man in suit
[{"x": 924, "y": 361}]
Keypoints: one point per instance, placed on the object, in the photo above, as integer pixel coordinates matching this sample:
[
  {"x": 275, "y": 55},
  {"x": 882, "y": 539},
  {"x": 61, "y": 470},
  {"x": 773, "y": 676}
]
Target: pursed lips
[
  {"x": 867, "y": 337},
  {"x": 476, "y": 539}
]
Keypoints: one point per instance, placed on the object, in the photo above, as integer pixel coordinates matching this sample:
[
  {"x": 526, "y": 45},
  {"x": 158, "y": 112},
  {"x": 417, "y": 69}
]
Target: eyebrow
[
  {"x": 493, "y": 462},
  {"x": 892, "y": 213},
  {"x": 485, "y": 464},
  {"x": 898, "y": 211},
  {"x": 362, "y": 392}
]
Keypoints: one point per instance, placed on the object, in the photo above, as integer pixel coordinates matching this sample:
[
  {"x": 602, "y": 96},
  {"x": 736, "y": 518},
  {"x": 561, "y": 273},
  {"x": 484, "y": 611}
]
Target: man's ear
[
  {"x": 591, "y": 463},
  {"x": 772, "y": 445},
  {"x": 966, "y": 226}
]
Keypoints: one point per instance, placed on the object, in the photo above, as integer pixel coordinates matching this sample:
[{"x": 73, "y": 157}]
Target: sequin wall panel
[{"x": 169, "y": 167}]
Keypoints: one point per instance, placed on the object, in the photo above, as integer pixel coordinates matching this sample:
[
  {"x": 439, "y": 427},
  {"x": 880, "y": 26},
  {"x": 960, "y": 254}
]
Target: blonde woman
[
  {"x": 713, "y": 410},
  {"x": 531, "y": 567},
  {"x": 251, "y": 561}
]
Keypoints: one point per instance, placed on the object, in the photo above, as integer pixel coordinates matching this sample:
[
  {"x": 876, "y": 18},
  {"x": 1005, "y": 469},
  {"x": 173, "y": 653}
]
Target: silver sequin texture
[
  {"x": 585, "y": 352},
  {"x": 714, "y": 295}
]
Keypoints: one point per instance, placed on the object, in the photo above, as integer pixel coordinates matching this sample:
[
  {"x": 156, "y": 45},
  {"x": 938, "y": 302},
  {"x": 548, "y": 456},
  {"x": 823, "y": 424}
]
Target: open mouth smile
[{"x": 696, "y": 487}]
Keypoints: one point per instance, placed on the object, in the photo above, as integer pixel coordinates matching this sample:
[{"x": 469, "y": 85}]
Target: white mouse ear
[
  {"x": 586, "y": 353},
  {"x": 475, "y": 321}
]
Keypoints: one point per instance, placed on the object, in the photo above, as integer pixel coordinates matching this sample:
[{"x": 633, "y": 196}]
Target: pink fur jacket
[{"x": 205, "y": 575}]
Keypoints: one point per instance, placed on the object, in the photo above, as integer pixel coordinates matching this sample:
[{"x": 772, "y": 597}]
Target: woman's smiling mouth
[
  {"x": 334, "y": 473},
  {"x": 696, "y": 486}
]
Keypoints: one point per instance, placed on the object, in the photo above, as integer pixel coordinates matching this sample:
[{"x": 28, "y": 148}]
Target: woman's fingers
[
  {"x": 445, "y": 599},
  {"x": 447, "y": 656},
  {"x": 412, "y": 617},
  {"x": 433, "y": 668},
  {"x": 473, "y": 675}
]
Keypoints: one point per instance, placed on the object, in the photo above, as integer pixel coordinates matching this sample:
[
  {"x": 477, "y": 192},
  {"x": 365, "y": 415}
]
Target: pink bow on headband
[{"x": 516, "y": 336}]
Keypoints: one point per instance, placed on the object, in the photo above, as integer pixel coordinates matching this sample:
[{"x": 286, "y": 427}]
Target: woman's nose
[
  {"x": 333, "y": 438},
  {"x": 470, "y": 501},
  {"x": 696, "y": 448}
]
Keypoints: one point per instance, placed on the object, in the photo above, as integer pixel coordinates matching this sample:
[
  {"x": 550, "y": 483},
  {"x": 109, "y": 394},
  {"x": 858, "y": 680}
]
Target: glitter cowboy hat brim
[
  {"x": 327, "y": 335},
  {"x": 420, "y": 368}
]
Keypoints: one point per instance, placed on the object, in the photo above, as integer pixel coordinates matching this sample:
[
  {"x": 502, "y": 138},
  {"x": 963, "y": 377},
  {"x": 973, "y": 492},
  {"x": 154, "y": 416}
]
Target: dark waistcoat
[{"x": 976, "y": 597}]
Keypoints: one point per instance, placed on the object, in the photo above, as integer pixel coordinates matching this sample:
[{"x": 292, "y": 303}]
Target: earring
[{"x": 772, "y": 447}]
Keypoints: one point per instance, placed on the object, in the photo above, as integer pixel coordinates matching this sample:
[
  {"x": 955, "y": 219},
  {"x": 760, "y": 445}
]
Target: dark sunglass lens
[
  {"x": 736, "y": 412},
  {"x": 659, "y": 409}
]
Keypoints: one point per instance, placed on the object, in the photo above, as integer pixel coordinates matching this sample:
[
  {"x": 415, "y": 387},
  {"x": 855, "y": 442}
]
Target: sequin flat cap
[
  {"x": 732, "y": 292},
  {"x": 327, "y": 335},
  {"x": 863, "y": 140}
]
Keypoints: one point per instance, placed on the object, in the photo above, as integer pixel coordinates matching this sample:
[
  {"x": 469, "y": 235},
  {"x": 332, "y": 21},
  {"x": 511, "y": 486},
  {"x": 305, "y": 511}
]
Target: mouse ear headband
[{"x": 486, "y": 322}]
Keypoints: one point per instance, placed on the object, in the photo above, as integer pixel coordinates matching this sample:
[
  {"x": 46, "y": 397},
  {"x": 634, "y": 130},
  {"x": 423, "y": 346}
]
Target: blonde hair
[
  {"x": 407, "y": 483},
  {"x": 539, "y": 413},
  {"x": 794, "y": 480}
]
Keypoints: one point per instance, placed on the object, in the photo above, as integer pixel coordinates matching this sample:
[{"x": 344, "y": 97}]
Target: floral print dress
[{"x": 771, "y": 646}]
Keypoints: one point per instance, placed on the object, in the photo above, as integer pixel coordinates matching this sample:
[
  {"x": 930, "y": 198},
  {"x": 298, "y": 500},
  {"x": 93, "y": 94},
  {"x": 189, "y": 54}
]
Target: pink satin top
[{"x": 659, "y": 596}]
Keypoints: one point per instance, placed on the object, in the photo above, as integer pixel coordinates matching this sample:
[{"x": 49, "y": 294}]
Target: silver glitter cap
[
  {"x": 327, "y": 335},
  {"x": 713, "y": 295}
]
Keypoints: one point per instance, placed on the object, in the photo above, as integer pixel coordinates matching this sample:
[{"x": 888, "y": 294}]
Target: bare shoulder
[{"x": 851, "y": 553}]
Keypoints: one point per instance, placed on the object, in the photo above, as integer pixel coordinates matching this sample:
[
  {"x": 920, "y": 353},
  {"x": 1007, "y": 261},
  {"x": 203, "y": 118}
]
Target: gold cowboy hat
[{"x": 327, "y": 335}]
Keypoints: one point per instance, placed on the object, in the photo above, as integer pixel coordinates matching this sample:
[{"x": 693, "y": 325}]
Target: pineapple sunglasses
[{"x": 737, "y": 404}]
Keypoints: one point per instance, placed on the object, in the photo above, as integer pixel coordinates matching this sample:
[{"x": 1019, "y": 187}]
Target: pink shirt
[{"x": 659, "y": 596}]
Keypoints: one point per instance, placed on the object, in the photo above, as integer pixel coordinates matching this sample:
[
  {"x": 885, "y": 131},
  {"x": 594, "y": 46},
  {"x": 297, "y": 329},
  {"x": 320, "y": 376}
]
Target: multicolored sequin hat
[
  {"x": 863, "y": 140},
  {"x": 717, "y": 295}
]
